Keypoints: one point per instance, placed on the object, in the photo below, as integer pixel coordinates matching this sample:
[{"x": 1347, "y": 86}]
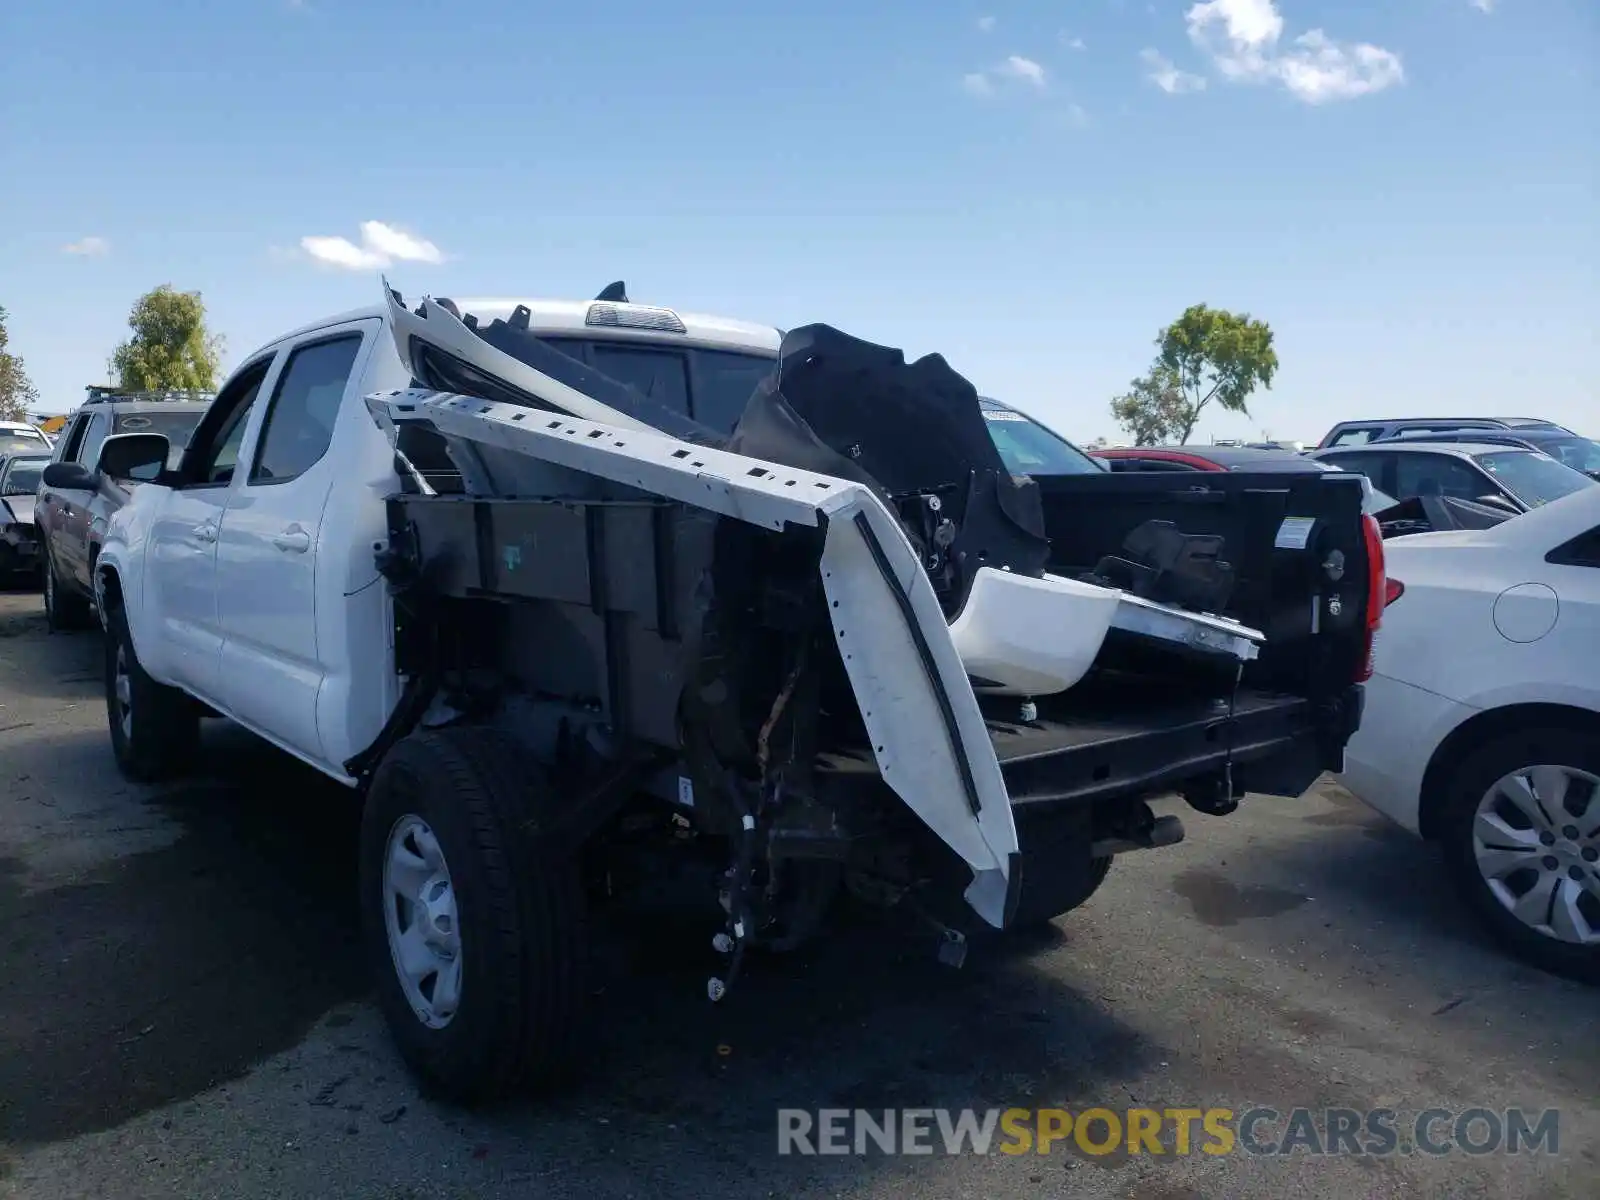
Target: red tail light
[{"x": 1380, "y": 591}]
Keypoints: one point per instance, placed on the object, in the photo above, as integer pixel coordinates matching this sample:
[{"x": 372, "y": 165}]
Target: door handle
[
  {"x": 292, "y": 540},
  {"x": 206, "y": 531}
]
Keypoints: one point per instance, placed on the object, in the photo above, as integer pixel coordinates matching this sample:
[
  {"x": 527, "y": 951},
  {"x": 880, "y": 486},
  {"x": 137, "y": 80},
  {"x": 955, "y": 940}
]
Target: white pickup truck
[{"x": 571, "y": 592}]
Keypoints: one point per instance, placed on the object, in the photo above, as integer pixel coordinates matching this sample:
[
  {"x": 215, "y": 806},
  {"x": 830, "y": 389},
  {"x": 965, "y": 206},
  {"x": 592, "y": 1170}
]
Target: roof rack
[{"x": 101, "y": 394}]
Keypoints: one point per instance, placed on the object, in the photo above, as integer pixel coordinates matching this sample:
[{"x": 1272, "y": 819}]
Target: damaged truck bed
[{"x": 855, "y": 569}]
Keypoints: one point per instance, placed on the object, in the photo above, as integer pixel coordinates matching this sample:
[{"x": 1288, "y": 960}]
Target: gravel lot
[{"x": 185, "y": 1012}]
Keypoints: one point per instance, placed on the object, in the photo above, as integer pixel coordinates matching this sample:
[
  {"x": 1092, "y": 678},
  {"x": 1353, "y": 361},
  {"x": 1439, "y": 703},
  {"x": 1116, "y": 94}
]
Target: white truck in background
[{"x": 569, "y": 593}]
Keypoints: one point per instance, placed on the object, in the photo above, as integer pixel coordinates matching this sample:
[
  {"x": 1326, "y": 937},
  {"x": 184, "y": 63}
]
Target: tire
[
  {"x": 64, "y": 610},
  {"x": 1037, "y": 910},
  {"x": 155, "y": 729},
  {"x": 1548, "y": 860},
  {"x": 513, "y": 899}
]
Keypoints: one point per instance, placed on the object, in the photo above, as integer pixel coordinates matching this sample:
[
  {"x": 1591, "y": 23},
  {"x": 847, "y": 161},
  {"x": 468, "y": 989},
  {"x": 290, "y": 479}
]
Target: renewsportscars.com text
[{"x": 1169, "y": 1131}]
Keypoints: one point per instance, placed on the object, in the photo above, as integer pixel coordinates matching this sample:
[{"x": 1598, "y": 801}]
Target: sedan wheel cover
[
  {"x": 1536, "y": 837},
  {"x": 419, "y": 916}
]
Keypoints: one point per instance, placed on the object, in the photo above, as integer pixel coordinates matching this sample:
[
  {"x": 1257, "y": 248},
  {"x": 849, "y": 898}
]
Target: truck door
[
  {"x": 180, "y": 580},
  {"x": 267, "y": 548},
  {"x": 65, "y": 521},
  {"x": 51, "y": 513}
]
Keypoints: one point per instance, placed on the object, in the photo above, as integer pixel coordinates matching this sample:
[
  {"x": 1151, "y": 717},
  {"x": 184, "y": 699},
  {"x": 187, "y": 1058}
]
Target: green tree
[
  {"x": 170, "y": 349},
  {"x": 1153, "y": 409},
  {"x": 1207, "y": 354},
  {"x": 18, "y": 396}
]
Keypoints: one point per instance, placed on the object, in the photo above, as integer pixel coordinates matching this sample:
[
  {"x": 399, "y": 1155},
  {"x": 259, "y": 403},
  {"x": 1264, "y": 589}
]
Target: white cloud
[
  {"x": 1318, "y": 69},
  {"x": 1025, "y": 69},
  {"x": 986, "y": 24},
  {"x": 1071, "y": 42},
  {"x": 1242, "y": 38},
  {"x": 1483, "y": 6},
  {"x": 399, "y": 244},
  {"x": 1015, "y": 69},
  {"x": 1162, "y": 72},
  {"x": 1077, "y": 117},
  {"x": 89, "y": 247},
  {"x": 381, "y": 246}
]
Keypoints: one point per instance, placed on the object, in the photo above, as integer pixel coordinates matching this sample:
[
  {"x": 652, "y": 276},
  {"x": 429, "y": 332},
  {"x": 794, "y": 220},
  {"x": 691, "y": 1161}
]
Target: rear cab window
[
  {"x": 714, "y": 386},
  {"x": 710, "y": 386}
]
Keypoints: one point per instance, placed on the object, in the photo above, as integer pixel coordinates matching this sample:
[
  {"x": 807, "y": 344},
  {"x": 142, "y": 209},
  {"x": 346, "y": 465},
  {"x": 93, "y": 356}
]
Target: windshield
[
  {"x": 15, "y": 441},
  {"x": 1579, "y": 453},
  {"x": 1028, "y": 448},
  {"x": 23, "y": 478},
  {"x": 1535, "y": 479},
  {"x": 174, "y": 426}
]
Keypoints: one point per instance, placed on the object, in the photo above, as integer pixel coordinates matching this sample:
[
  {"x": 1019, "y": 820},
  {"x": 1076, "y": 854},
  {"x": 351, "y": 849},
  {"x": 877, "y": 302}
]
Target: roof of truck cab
[{"x": 562, "y": 316}]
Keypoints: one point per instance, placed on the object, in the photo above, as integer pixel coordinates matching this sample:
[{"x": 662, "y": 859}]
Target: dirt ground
[{"x": 186, "y": 1013}]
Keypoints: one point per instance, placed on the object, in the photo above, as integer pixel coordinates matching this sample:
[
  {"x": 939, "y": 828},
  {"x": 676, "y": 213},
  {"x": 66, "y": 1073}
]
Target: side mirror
[
  {"x": 69, "y": 477},
  {"x": 136, "y": 456},
  {"x": 1496, "y": 500}
]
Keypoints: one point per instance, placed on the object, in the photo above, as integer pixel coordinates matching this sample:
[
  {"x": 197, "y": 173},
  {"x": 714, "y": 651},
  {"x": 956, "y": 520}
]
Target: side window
[
  {"x": 661, "y": 375},
  {"x": 1353, "y": 437},
  {"x": 299, "y": 425},
  {"x": 1581, "y": 551},
  {"x": 1438, "y": 475},
  {"x": 71, "y": 439},
  {"x": 723, "y": 384},
  {"x": 99, "y": 426},
  {"x": 213, "y": 451}
]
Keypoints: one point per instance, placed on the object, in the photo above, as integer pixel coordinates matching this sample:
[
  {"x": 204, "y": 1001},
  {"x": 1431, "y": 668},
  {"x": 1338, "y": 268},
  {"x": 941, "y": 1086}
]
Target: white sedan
[{"x": 1482, "y": 722}]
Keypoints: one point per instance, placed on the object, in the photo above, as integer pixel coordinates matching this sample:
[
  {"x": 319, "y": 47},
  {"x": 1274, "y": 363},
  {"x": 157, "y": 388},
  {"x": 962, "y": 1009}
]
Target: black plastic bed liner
[{"x": 1274, "y": 743}]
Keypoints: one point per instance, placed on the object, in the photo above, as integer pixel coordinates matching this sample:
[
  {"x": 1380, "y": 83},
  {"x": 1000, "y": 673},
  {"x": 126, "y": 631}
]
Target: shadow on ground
[
  {"x": 162, "y": 973},
  {"x": 165, "y": 973}
]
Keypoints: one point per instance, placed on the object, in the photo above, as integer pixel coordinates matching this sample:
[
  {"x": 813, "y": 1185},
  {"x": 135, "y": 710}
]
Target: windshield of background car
[
  {"x": 13, "y": 442},
  {"x": 23, "y": 478},
  {"x": 176, "y": 427},
  {"x": 1028, "y": 448},
  {"x": 1579, "y": 453},
  {"x": 1535, "y": 479}
]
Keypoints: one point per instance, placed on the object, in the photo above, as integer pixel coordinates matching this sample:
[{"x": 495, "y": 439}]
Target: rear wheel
[
  {"x": 1521, "y": 832},
  {"x": 155, "y": 729},
  {"x": 474, "y": 924},
  {"x": 64, "y": 610}
]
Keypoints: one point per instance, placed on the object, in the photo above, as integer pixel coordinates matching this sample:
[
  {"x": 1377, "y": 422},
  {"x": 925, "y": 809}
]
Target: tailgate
[{"x": 1296, "y": 544}]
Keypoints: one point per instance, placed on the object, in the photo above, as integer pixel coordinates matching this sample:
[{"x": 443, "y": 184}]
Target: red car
[{"x": 1205, "y": 458}]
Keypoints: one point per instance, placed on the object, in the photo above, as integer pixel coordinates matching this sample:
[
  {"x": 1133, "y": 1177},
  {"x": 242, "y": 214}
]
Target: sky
[{"x": 1407, "y": 191}]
